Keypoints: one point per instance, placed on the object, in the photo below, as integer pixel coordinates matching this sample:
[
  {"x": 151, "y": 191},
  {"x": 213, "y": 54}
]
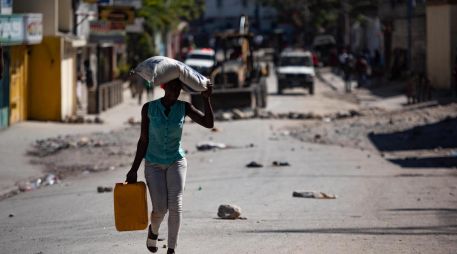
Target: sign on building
[
  {"x": 102, "y": 31},
  {"x": 6, "y": 7},
  {"x": 11, "y": 29},
  {"x": 33, "y": 28},
  {"x": 117, "y": 14},
  {"x": 21, "y": 29}
]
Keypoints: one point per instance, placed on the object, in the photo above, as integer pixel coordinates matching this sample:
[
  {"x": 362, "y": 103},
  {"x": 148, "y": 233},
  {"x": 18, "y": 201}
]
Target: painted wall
[
  {"x": 68, "y": 80},
  {"x": 18, "y": 84},
  {"x": 4, "y": 89},
  {"x": 44, "y": 80},
  {"x": 49, "y": 8},
  {"x": 65, "y": 16},
  {"x": 439, "y": 45}
]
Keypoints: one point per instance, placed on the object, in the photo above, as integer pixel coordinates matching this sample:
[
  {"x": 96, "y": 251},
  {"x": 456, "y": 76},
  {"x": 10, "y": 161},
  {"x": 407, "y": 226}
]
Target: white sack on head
[{"x": 160, "y": 70}]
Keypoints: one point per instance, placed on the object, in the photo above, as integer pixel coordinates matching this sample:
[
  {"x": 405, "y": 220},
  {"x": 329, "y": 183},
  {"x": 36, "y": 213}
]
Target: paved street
[{"x": 380, "y": 207}]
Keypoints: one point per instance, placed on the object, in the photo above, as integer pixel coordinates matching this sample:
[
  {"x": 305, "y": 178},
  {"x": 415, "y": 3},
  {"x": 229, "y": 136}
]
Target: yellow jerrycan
[{"x": 130, "y": 206}]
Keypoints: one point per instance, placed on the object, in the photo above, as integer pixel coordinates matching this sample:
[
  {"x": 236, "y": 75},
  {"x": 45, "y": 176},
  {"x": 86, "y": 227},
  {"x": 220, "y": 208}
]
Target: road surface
[{"x": 380, "y": 207}]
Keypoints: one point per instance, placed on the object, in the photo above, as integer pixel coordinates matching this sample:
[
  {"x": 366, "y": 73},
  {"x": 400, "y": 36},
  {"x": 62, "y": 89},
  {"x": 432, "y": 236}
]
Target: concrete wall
[
  {"x": 454, "y": 39},
  {"x": 68, "y": 80},
  {"x": 49, "y": 9},
  {"x": 397, "y": 14},
  {"x": 65, "y": 16},
  {"x": 439, "y": 45}
]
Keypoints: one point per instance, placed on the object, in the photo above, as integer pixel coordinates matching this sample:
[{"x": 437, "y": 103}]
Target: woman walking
[{"x": 162, "y": 122}]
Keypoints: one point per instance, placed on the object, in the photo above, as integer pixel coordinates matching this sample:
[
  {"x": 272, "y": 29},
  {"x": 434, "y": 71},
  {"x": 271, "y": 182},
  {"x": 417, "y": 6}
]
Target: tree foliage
[
  {"x": 318, "y": 13},
  {"x": 160, "y": 16},
  {"x": 166, "y": 14}
]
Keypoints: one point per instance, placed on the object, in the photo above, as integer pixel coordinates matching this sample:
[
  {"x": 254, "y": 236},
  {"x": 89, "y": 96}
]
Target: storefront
[{"x": 17, "y": 31}]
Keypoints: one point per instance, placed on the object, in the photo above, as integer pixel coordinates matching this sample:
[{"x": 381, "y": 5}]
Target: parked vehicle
[
  {"x": 322, "y": 45},
  {"x": 202, "y": 60},
  {"x": 295, "y": 69}
]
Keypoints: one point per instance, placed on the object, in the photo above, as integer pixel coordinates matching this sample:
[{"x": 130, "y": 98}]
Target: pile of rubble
[
  {"x": 80, "y": 119},
  {"x": 409, "y": 125},
  {"x": 242, "y": 114},
  {"x": 45, "y": 147}
]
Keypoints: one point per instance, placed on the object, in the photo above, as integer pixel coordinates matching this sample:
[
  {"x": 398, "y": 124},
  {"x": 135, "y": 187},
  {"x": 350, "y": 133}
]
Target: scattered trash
[
  {"x": 98, "y": 120},
  {"x": 313, "y": 194},
  {"x": 50, "y": 179},
  {"x": 254, "y": 164},
  {"x": 164, "y": 246},
  {"x": 281, "y": 163},
  {"x": 231, "y": 212},
  {"x": 101, "y": 189},
  {"x": 132, "y": 121},
  {"x": 326, "y": 119},
  {"x": 208, "y": 145},
  {"x": 199, "y": 188},
  {"x": 11, "y": 215},
  {"x": 25, "y": 186},
  {"x": 83, "y": 141}
]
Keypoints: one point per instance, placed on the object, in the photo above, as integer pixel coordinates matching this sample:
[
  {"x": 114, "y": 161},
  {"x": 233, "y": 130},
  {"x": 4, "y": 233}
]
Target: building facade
[
  {"x": 220, "y": 15},
  {"x": 442, "y": 43},
  {"x": 18, "y": 33},
  {"x": 51, "y": 78}
]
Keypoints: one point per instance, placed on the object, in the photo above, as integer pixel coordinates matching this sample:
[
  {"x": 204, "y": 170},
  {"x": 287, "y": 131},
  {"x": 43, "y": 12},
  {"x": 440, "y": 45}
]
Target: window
[
  {"x": 244, "y": 3},
  {"x": 295, "y": 61},
  {"x": 219, "y": 3}
]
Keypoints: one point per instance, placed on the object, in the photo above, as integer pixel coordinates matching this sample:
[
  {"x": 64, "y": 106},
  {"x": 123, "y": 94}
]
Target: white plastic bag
[{"x": 160, "y": 70}]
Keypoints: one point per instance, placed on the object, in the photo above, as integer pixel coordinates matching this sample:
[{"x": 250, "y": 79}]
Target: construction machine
[{"x": 239, "y": 81}]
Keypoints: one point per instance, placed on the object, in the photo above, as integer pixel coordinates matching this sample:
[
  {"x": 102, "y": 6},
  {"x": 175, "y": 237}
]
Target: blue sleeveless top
[{"x": 165, "y": 132}]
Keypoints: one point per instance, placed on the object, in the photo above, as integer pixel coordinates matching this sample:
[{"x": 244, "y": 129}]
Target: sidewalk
[
  {"x": 17, "y": 139},
  {"x": 389, "y": 97}
]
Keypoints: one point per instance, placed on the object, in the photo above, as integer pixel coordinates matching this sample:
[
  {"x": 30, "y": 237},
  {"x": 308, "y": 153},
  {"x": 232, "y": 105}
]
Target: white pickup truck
[
  {"x": 202, "y": 60},
  {"x": 295, "y": 69}
]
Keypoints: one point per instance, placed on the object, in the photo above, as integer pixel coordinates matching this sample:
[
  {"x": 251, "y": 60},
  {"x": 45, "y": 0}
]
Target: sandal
[{"x": 151, "y": 241}]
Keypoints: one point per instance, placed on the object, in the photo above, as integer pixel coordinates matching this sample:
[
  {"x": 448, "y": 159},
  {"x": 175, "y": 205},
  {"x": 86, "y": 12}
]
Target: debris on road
[
  {"x": 132, "y": 121},
  {"x": 208, "y": 145},
  {"x": 281, "y": 163},
  {"x": 11, "y": 215},
  {"x": 313, "y": 194},
  {"x": 216, "y": 129},
  {"x": 101, "y": 189},
  {"x": 405, "y": 129},
  {"x": 242, "y": 114},
  {"x": 78, "y": 119},
  {"x": 49, "y": 146},
  {"x": 50, "y": 179},
  {"x": 231, "y": 212},
  {"x": 254, "y": 164}
]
